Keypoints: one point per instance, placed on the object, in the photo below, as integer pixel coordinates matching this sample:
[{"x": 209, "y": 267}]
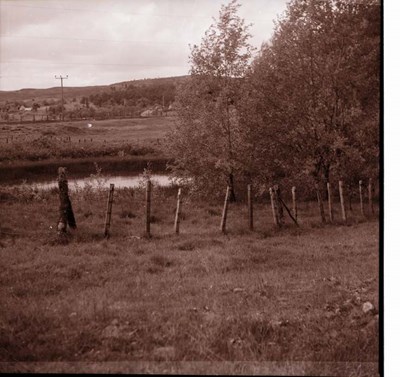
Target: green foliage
[
  {"x": 45, "y": 148},
  {"x": 206, "y": 139},
  {"x": 151, "y": 94},
  {"x": 322, "y": 66},
  {"x": 307, "y": 110}
]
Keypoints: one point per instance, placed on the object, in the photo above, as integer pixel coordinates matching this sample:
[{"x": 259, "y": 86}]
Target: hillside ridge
[{"x": 78, "y": 91}]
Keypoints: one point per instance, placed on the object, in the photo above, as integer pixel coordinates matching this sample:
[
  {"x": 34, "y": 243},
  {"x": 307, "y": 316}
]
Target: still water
[{"x": 119, "y": 182}]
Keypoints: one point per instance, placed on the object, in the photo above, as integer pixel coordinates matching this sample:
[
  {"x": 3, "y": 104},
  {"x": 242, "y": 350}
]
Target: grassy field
[
  {"x": 34, "y": 151},
  {"x": 286, "y": 301},
  {"x": 42, "y": 141}
]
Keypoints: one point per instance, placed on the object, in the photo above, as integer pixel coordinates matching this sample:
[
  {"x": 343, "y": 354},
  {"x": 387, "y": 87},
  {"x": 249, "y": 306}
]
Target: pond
[{"x": 103, "y": 182}]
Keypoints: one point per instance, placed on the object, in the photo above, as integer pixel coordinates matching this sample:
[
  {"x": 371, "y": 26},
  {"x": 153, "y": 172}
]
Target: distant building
[
  {"x": 23, "y": 108},
  {"x": 157, "y": 110}
]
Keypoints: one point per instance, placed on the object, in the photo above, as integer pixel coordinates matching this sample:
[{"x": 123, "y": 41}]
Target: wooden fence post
[
  {"x": 272, "y": 195},
  {"x": 148, "y": 207},
  {"x": 278, "y": 204},
  {"x": 371, "y": 207},
  {"x": 225, "y": 210},
  {"x": 320, "y": 204},
  {"x": 361, "y": 198},
  {"x": 250, "y": 206},
  {"x": 344, "y": 217},
  {"x": 177, "y": 214},
  {"x": 328, "y": 187},
  {"x": 294, "y": 203},
  {"x": 108, "y": 212},
  {"x": 65, "y": 210}
]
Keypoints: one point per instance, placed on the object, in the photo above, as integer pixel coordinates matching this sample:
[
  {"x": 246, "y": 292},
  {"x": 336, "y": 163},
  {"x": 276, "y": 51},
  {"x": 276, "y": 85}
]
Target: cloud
[{"x": 101, "y": 42}]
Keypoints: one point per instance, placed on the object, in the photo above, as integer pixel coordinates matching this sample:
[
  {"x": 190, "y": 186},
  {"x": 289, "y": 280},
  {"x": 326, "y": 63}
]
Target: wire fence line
[{"x": 147, "y": 200}]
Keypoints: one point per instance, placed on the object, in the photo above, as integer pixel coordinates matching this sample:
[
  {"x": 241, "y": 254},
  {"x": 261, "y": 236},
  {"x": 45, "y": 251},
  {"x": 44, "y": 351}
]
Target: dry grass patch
[{"x": 271, "y": 295}]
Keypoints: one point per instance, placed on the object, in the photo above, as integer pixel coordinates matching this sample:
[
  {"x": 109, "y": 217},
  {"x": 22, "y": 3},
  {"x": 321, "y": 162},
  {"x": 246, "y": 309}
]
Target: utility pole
[{"x": 62, "y": 93}]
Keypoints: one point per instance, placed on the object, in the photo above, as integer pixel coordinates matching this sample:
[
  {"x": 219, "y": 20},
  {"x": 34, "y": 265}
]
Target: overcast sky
[{"x": 98, "y": 42}]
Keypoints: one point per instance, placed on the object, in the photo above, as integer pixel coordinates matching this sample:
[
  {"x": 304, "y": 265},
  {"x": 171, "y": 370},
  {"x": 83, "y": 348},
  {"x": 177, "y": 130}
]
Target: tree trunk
[
  {"x": 326, "y": 171},
  {"x": 66, "y": 216}
]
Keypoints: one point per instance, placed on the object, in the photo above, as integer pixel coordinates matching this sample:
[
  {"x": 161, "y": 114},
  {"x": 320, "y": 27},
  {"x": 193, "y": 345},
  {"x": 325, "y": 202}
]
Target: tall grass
[
  {"x": 44, "y": 148},
  {"x": 292, "y": 296}
]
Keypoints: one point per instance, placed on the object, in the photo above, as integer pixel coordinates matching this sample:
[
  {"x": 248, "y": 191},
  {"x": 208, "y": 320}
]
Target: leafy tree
[
  {"x": 35, "y": 106},
  {"x": 317, "y": 82},
  {"x": 206, "y": 141}
]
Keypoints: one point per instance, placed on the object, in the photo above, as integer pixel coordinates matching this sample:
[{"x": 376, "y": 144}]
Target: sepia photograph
[{"x": 191, "y": 187}]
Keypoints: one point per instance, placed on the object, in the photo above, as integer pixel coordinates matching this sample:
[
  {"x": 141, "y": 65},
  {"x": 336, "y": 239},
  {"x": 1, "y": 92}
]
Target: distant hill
[{"x": 76, "y": 92}]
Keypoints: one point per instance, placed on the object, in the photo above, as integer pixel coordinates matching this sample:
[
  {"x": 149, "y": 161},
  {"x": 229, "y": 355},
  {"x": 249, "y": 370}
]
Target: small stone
[
  {"x": 164, "y": 353},
  {"x": 237, "y": 290},
  {"x": 73, "y": 314},
  {"x": 333, "y": 334},
  {"x": 114, "y": 322},
  {"x": 356, "y": 299},
  {"x": 367, "y": 307},
  {"x": 111, "y": 332},
  {"x": 346, "y": 306},
  {"x": 235, "y": 342},
  {"x": 372, "y": 324},
  {"x": 274, "y": 324},
  {"x": 329, "y": 315}
]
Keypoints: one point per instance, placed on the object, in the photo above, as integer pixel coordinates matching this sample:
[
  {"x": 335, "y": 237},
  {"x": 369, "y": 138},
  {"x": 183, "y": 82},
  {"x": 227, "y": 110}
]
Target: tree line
[
  {"x": 303, "y": 109},
  {"x": 133, "y": 95}
]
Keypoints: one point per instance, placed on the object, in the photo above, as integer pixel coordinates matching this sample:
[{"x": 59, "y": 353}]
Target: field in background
[
  {"x": 29, "y": 150},
  {"x": 114, "y": 132},
  {"x": 293, "y": 296}
]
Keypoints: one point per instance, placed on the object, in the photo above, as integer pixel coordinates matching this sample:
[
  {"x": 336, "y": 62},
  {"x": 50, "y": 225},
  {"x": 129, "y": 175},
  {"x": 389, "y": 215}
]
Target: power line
[
  {"x": 102, "y": 11},
  {"x": 84, "y": 39},
  {"x": 62, "y": 93},
  {"x": 125, "y": 13},
  {"x": 92, "y": 64}
]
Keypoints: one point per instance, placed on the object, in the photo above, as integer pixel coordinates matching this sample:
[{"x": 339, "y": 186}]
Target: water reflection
[{"x": 119, "y": 182}]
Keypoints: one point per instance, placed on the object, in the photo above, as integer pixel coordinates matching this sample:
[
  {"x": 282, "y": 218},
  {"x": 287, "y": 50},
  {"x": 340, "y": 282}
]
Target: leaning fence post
[
  {"x": 148, "y": 207},
  {"x": 271, "y": 193},
  {"x": 371, "y": 208},
  {"x": 279, "y": 207},
  {"x": 294, "y": 202},
  {"x": 361, "y": 198},
  {"x": 328, "y": 188},
  {"x": 225, "y": 210},
  {"x": 342, "y": 201},
  {"x": 108, "y": 212},
  {"x": 177, "y": 214},
  {"x": 250, "y": 205},
  {"x": 65, "y": 210},
  {"x": 320, "y": 204}
]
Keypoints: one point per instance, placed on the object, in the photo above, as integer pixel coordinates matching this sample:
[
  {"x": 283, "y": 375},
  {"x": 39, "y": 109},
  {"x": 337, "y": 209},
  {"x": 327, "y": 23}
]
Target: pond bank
[{"x": 37, "y": 171}]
